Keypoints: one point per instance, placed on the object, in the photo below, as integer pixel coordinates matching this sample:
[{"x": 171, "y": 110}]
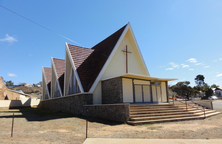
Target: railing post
[
  {"x": 173, "y": 99},
  {"x": 204, "y": 113},
  {"x": 12, "y": 125},
  {"x": 86, "y": 127},
  {"x": 186, "y": 104}
]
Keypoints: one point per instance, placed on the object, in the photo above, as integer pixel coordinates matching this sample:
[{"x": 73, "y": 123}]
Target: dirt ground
[{"x": 32, "y": 125}]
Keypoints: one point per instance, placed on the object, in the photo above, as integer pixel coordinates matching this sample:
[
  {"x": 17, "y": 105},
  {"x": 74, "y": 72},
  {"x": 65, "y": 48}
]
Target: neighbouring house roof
[
  {"x": 89, "y": 62},
  {"x": 60, "y": 70},
  {"x": 218, "y": 88}
]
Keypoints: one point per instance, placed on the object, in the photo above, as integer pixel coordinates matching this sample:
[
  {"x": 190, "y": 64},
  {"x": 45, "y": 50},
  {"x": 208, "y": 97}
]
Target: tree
[
  {"x": 9, "y": 83},
  {"x": 214, "y": 86},
  {"x": 183, "y": 89},
  {"x": 199, "y": 80},
  {"x": 207, "y": 90}
]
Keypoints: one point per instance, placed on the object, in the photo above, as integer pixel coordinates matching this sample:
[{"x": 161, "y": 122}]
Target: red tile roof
[
  {"x": 60, "y": 70},
  {"x": 59, "y": 66},
  {"x": 89, "y": 62},
  {"x": 47, "y": 72}
]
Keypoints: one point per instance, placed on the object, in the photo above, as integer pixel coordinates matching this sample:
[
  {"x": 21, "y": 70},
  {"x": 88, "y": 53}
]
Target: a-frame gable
[
  {"x": 58, "y": 69},
  {"x": 46, "y": 80},
  {"x": 69, "y": 67},
  {"x": 126, "y": 34}
]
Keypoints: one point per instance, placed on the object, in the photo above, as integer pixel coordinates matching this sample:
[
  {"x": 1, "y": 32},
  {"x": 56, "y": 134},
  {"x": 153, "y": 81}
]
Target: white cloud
[
  {"x": 206, "y": 66},
  {"x": 220, "y": 58},
  {"x": 214, "y": 60},
  {"x": 191, "y": 69},
  {"x": 9, "y": 39},
  {"x": 184, "y": 66},
  {"x": 192, "y": 60},
  {"x": 219, "y": 75},
  {"x": 12, "y": 75},
  {"x": 169, "y": 69},
  {"x": 199, "y": 64},
  {"x": 174, "y": 65}
]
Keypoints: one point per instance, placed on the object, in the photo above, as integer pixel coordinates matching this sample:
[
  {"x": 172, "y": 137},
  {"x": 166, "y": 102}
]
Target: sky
[{"x": 177, "y": 38}]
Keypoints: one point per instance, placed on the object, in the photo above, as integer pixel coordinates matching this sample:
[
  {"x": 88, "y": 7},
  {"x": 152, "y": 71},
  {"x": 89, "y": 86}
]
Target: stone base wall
[
  {"x": 112, "y": 91},
  {"x": 81, "y": 104},
  {"x": 115, "y": 112},
  {"x": 70, "y": 104}
]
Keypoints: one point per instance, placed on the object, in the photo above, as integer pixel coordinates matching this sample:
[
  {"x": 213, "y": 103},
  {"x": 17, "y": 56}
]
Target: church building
[{"x": 113, "y": 71}]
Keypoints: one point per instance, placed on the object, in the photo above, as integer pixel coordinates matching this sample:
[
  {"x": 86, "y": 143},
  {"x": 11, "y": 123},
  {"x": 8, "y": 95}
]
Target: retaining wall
[{"x": 81, "y": 104}]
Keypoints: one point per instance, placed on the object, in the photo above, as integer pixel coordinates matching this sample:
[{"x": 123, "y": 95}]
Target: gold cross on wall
[{"x": 126, "y": 51}]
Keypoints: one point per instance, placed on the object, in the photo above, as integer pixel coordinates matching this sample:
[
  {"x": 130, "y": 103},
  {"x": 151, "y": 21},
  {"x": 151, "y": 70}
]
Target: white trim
[
  {"x": 113, "y": 53},
  {"x": 131, "y": 30},
  {"x": 109, "y": 59},
  {"x": 130, "y": 75},
  {"x": 52, "y": 90},
  {"x": 64, "y": 90},
  {"x": 75, "y": 71}
]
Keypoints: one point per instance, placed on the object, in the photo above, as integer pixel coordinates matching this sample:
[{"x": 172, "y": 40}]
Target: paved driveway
[{"x": 217, "y": 104}]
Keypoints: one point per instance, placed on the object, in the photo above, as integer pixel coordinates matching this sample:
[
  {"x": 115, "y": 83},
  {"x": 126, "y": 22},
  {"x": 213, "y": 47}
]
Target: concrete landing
[{"x": 151, "y": 141}]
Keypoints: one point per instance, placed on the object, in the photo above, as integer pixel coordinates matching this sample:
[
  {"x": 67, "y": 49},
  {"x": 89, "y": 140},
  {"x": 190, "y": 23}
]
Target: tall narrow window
[
  {"x": 57, "y": 93},
  {"x": 46, "y": 95},
  {"x": 73, "y": 84}
]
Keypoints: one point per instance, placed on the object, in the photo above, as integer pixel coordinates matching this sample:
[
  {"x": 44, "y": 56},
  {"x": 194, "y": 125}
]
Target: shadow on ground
[{"x": 36, "y": 114}]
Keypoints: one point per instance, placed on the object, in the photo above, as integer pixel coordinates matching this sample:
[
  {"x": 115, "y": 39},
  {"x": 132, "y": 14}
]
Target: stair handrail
[
  {"x": 203, "y": 109},
  {"x": 200, "y": 105}
]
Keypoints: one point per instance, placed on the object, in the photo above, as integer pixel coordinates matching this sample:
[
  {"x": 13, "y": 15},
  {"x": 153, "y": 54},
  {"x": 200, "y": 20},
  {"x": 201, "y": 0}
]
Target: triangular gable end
[
  {"x": 58, "y": 69},
  {"x": 127, "y": 30},
  {"x": 45, "y": 82},
  {"x": 69, "y": 66}
]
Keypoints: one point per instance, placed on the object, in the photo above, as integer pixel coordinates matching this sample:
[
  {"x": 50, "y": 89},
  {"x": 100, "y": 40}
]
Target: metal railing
[{"x": 203, "y": 107}]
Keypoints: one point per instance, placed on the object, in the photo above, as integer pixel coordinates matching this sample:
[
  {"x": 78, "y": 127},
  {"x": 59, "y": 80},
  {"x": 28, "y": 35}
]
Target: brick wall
[
  {"x": 112, "y": 91},
  {"x": 116, "y": 112},
  {"x": 81, "y": 104},
  {"x": 70, "y": 104}
]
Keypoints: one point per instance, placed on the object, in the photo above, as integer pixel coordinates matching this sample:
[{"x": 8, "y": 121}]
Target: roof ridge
[
  {"x": 59, "y": 59},
  {"x": 79, "y": 46},
  {"x": 109, "y": 36}
]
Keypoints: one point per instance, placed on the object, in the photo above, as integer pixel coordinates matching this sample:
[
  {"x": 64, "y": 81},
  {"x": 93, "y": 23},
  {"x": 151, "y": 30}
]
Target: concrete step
[
  {"x": 163, "y": 120},
  {"x": 162, "y": 111},
  {"x": 162, "y": 114},
  {"x": 152, "y": 109},
  {"x": 172, "y": 116},
  {"x": 162, "y": 117}
]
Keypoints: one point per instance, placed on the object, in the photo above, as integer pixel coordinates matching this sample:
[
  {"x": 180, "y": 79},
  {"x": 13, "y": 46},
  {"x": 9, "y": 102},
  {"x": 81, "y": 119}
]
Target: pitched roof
[
  {"x": 47, "y": 72},
  {"x": 59, "y": 66},
  {"x": 89, "y": 62},
  {"x": 60, "y": 70}
]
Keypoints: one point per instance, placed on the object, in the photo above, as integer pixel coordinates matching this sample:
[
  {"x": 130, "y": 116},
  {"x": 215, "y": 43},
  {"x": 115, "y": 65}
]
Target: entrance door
[
  {"x": 156, "y": 93},
  {"x": 142, "y": 93}
]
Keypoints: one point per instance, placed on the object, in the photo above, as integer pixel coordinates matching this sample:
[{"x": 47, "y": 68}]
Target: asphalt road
[{"x": 217, "y": 104}]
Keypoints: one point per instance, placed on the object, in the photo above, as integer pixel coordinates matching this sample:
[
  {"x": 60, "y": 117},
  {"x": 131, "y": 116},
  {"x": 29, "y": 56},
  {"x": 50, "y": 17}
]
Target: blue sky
[{"x": 178, "y": 39}]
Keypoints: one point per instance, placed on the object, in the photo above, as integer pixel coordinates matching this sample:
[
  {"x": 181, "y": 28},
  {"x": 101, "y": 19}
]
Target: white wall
[
  {"x": 25, "y": 101},
  {"x": 163, "y": 89},
  {"x": 127, "y": 90},
  {"x": 117, "y": 65},
  {"x": 97, "y": 94}
]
